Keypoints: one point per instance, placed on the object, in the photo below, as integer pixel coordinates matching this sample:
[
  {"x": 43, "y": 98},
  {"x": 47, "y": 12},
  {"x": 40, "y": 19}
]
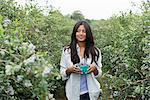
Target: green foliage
[
  {"x": 124, "y": 44},
  {"x": 25, "y": 73},
  {"x": 26, "y": 70}
]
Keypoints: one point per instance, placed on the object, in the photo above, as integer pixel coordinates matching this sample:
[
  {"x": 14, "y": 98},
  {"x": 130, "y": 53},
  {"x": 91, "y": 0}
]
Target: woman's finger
[
  {"x": 76, "y": 69},
  {"x": 91, "y": 69}
]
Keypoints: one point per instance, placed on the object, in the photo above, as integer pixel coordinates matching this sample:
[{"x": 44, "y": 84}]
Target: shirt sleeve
[
  {"x": 63, "y": 65},
  {"x": 99, "y": 64}
]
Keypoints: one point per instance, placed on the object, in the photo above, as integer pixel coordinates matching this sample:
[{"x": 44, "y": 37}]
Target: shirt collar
[{"x": 77, "y": 46}]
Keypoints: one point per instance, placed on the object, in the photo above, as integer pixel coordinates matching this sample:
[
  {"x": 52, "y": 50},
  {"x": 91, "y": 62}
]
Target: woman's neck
[
  {"x": 81, "y": 44},
  {"x": 82, "y": 49}
]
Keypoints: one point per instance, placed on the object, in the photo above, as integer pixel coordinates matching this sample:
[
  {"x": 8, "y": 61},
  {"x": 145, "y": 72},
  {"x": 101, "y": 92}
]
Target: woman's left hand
[{"x": 92, "y": 68}]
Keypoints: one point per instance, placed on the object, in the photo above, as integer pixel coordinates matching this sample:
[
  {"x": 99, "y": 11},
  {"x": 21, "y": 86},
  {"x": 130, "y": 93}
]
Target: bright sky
[{"x": 91, "y": 9}]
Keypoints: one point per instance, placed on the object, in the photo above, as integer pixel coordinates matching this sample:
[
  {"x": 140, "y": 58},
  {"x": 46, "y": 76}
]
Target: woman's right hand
[{"x": 73, "y": 69}]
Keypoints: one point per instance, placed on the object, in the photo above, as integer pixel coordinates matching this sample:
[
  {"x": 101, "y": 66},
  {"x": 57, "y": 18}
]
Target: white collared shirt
[{"x": 73, "y": 80}]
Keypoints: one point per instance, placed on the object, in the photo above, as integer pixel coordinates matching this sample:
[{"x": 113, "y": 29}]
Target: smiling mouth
[{"x": 81, "y": 37}]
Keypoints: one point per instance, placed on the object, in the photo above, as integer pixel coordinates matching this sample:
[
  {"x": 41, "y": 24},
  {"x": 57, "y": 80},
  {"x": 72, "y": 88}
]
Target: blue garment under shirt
[{"x": 83, "y": 79}]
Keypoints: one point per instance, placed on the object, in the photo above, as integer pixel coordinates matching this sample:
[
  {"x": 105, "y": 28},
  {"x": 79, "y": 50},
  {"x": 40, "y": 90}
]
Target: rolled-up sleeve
[{"x": 63, "y": 65}]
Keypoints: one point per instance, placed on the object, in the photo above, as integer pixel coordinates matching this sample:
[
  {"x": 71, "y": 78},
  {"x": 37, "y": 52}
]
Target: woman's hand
[
  {"x": 73, "y": 69},
  {"x": 93, "y": 69}
]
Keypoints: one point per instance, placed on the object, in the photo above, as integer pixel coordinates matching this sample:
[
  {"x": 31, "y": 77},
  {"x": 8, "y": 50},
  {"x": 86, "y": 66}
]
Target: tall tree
[{"x": 77, "y": 15}]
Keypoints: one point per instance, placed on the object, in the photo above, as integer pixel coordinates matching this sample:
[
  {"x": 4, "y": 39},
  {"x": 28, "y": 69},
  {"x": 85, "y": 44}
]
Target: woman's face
[{"x": 81, "y": 34}]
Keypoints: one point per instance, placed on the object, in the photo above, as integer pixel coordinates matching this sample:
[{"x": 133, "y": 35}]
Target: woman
[{"x": 81, "y": 52}]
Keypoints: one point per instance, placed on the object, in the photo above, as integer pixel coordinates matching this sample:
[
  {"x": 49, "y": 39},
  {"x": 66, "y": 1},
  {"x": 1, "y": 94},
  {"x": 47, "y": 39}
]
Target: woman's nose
[{"x": 81, "y": 32}]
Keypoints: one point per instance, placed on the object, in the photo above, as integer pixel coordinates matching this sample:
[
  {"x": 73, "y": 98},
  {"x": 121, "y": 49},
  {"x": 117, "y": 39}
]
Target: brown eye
[{"x": 83, "y": 31}]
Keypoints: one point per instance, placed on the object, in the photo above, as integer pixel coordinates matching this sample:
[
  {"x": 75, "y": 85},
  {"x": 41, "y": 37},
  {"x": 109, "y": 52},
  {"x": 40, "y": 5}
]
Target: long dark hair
[{"x": 89, "y": 49}]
